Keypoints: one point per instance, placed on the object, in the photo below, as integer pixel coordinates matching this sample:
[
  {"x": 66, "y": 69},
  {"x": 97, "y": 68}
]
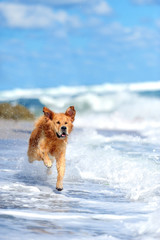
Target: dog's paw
[
  {"x": 30, "y": 160},
  {"x": 49, "y": 171},
  {"x": 48, "y": 164},
  {"x": 59, "y": 189}
]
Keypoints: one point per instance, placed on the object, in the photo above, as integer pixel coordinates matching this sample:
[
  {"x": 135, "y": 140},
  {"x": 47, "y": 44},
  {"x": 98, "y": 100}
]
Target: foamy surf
[
  {"x": 111, "y": 186},
  {"x": 109, "y": 106},
  {"x": 38, "y": 216}
]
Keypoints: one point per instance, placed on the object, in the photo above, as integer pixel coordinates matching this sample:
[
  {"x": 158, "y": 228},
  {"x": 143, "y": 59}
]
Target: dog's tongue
[{"x": 63, "y": 134}]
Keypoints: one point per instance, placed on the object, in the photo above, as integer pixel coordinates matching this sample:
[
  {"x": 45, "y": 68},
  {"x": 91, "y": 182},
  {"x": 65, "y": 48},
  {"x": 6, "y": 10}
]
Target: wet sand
[{"x": 11, "y": 129}]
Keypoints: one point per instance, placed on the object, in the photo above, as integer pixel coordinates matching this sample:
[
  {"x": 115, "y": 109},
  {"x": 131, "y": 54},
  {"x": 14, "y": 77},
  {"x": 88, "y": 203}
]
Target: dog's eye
[
  {"x": 58, "y": 122},
  {"x": 66, "y": 122}
]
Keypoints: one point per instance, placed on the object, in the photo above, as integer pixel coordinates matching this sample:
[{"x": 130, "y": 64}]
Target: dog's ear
[
  {"x": 48, "y": 113},
  {"x": 71, "y": 112}
]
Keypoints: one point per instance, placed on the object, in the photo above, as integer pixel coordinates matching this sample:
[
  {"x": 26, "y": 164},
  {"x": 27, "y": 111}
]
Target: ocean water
[{"x": 112, "y": 181}]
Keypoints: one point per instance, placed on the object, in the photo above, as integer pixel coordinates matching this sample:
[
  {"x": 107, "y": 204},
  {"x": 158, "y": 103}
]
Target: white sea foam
[
  {"x": 95, "y": 159},
  {"x": 110, "y": 175},
  {"x": 119, "y": 106},
  {"x": 44, "y": 216},
  {"x": 123, "y": 165},
  {"x": 74, "y": 90},
  {"x": 123, "y": 161},
  {"x": 18, "y": 187},
  {"x": 149, "y": 229}
]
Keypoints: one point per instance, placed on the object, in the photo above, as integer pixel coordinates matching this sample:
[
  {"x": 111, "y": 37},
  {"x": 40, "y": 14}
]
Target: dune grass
[{"x": 17, "y": 112}]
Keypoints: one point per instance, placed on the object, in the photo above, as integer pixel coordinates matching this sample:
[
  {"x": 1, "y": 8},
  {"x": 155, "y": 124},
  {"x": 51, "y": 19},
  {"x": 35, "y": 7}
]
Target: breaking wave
[{"x": 118, "y": 106}]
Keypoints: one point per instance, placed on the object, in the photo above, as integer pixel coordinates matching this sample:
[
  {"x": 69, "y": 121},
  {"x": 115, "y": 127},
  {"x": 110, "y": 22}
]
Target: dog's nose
[{"x": 63, "y": 128}]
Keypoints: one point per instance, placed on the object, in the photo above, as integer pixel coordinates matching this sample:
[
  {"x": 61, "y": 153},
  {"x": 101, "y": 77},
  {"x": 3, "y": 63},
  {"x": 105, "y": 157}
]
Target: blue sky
[{"x": 48, "y": 43}]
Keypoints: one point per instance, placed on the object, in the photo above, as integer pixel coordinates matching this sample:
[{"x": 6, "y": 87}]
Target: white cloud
[
  {"x": 102, "y": 8},
  {"x": 142, "y": 37},
  {"x": 115, "y": 28},
  {"x": 99, "y": 8},
  {"x": 34, "y": 16},
  {"x": 130, "y": 36}
]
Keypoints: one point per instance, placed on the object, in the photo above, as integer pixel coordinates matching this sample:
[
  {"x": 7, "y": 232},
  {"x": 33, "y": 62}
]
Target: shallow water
[
  {"x": 111, "y": 189},
  {"x": 112, "y": 181}
]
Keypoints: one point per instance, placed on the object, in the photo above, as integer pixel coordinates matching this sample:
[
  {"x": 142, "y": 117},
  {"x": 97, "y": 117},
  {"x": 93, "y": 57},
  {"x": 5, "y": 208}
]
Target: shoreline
[
  {"x": 12, "y": 129},
  {"x": 21, "y": 129}
]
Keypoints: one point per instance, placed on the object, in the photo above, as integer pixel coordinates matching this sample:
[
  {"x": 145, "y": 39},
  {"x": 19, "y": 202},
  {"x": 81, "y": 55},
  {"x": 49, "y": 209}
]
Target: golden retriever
[{"x": 49, "y": 139}]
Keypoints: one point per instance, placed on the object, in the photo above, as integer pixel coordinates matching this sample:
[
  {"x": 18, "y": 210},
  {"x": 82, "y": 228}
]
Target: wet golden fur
[{"x": 49, "y": 139}]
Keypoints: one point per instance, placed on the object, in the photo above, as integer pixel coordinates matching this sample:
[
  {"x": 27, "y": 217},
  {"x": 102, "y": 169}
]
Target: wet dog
[{"x": 49, "y": 139}]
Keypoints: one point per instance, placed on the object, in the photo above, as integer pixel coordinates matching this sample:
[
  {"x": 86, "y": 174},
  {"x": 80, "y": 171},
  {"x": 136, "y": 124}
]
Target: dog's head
[{"x": 61, "y": 123}]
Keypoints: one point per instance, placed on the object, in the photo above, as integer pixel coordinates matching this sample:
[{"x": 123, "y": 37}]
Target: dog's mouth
[{"x": 62, "y": 135}]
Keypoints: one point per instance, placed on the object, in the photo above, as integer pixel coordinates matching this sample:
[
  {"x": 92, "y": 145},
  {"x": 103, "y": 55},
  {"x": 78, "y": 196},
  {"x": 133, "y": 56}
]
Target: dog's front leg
[
  {"x": 43, "y": 150},
  {"x": 46, "y": 160},
  {"x": 60, "y": 163}
]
